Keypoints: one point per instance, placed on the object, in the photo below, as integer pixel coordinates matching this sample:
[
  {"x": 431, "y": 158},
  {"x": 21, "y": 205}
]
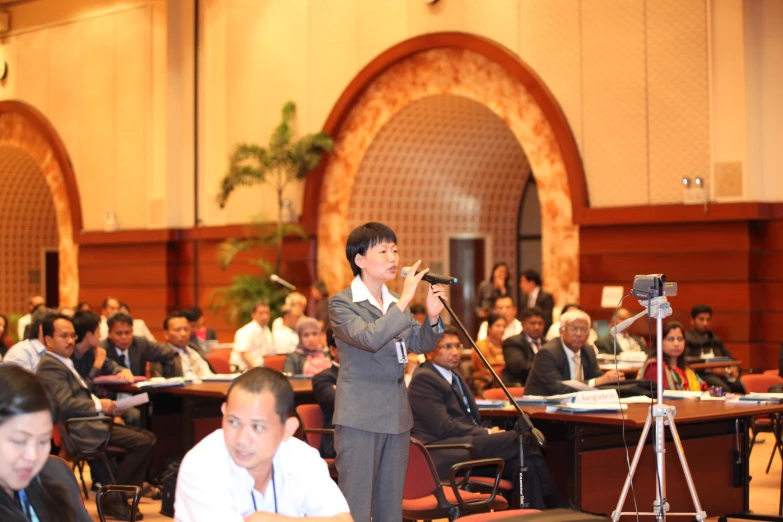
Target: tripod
[{"x": 663, "y": 415}]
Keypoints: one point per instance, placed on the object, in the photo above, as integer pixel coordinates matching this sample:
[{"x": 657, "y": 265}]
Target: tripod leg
[
  {"x": 700, "y": 515},
  {"x": 636, "y": 456},
  {"x": 661, "y": 505}
]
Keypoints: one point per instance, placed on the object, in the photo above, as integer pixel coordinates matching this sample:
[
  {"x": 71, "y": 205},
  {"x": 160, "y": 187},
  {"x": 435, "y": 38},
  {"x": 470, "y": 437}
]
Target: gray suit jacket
[
  {"x": 551, "y": 368},
  {"x": 371, "y": 393}
]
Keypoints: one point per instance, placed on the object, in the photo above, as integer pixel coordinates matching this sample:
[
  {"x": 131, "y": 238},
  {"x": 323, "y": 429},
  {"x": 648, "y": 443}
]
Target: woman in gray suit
[{"x": 373, "y": 331}]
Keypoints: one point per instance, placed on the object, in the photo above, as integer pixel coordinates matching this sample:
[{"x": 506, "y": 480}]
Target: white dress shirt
[
  {"x": 284, "y": 338},
  {"x": 360, "y": 292},
  {"x": 256, "y": 341},
  {"x": 26, "y": 354},
  {"x": 125, "y": 356},
  {"x": 572, "y": 364},
  {"x": 210, "y": 486},
  {"x": 22, "y": 323},
  {"x": 69, "y": 363},
  {"x": 512, "y": 328},
  {"x": 627, "y": 343},
  {"x": 532, "y": 296},
  {"x": 194, "y": 367}
]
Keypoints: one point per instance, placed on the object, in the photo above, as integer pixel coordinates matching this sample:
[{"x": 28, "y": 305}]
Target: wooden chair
[
  {"x": 761, "y": 383},
  {"x": 134, "y": 490},
  {"x": 497, "y": 393},
  {"x": 219, "y": 360},
  {"x": 275, "y": 362},
  {"x": 311, "y": 419},
  {"x": 425, "y": 498}
]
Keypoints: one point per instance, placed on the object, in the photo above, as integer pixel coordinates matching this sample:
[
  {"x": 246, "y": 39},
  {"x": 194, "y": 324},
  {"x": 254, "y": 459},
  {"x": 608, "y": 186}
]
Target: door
[{"x": 467, "y": 262}]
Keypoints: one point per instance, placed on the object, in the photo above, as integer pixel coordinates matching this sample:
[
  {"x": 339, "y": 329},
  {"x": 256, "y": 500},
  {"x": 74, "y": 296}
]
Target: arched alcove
[
  {"x": 24, "y": 130},
  {"x": 479, "y": 70}
]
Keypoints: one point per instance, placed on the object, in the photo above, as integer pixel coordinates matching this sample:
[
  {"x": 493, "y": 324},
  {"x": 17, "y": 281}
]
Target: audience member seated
[
  {"x": 533, "y": 295},
  {"x": 84, "y": 306},
  {"x": 625, "y": 342},
  {"x": 554, "y": 331},
  {"x": 72, "y": 398},
  {"x": 33, "y": 486},
  {"x": 24, "y": 321},
  {"x": 491, "y": 346},
  {"x": 419, "y": 312},
  {"x": 445, "y": 412},
  {"x": 309, "y": 357},
  {"x": 254, "y": 466},
  {"x": 109, "y": 307},
  {"x": 253, "y": 341},
  {"x": 519, "y": 351},
  {"x": 293, "y": 299},
  {"x": 567, "y": 358},
  {"x": 28, "y": 352},
  {"x": 199, "y": 333},
  {"x": 324, "y": 390},
  {"x": 499, "y": 285},
  {"x": 5, "y": 339},
  {"x": 133, "y": 352},
  {"x": 676, "y": 374},
  {"x": 702, "y": 342},
  {"x": 188, "y": 362},
  {"x": 505, "y": 307},
  {"x": 140, "y": 328},
  {"x": 284, "y": 329}
]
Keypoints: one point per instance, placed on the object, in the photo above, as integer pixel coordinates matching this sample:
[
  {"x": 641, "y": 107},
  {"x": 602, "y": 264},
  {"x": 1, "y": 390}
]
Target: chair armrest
[
  {"x": 135, "y": 490},
  {"x": 467, "y": 447},
  {"x": 458, "y": 468},
  {"x": 66, "y": 433}
]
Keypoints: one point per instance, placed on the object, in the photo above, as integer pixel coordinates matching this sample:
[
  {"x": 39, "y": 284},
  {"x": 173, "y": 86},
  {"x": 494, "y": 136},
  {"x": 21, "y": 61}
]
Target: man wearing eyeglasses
[
  {"x": 445, "y": 412},
  {"x": 567, "y": 358}
]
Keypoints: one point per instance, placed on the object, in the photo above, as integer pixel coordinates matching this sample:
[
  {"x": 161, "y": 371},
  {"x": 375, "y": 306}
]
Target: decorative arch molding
[
  {"x": 464, "y": 65},
  {"x": 25, "y": 128}
]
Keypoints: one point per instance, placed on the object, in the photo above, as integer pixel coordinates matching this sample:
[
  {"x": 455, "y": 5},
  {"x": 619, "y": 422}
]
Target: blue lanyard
[
  {"x": 274, "y": 492},
  {"x": 24, "y": 503}
]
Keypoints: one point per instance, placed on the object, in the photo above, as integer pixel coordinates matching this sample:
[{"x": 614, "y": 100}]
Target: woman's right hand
[{"x": 409, "y": 286}]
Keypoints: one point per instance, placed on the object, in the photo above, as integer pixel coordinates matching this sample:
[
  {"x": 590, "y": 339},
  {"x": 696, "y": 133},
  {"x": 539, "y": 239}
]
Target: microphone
[
  {"x": 281, "y": 281},
  {"x": 435, "y": 279}
]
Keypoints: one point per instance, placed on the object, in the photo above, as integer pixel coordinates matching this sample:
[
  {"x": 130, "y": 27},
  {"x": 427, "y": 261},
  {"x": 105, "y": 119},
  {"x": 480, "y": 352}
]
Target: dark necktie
[{"x": 457, "y": 387}]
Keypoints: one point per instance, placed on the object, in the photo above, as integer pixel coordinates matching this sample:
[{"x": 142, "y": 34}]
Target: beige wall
[{"x": 115, "y": 80}]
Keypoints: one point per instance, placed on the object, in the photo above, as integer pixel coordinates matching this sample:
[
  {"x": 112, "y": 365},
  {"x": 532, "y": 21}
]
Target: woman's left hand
[{"x": 434, "y": 304}]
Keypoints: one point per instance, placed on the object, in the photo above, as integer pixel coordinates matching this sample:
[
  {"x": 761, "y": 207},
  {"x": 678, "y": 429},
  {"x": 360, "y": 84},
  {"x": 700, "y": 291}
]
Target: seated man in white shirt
[
  {"x": 284, "y": 332},
  {"x": 253, "y": 341},
  {"x": 28, "y": 353},
  {"x": 254, "y": 466},
  {"x": 504, "y": 306},
  {"x": 190, "y": 364},
  {"x": 109, "y": 307}
]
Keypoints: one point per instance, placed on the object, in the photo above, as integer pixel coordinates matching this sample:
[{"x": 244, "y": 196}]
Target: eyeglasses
[
  {"x": 679, "y": 339},
  {"x": 450, "y": 346},
  {"x": 578, "y": 329}
]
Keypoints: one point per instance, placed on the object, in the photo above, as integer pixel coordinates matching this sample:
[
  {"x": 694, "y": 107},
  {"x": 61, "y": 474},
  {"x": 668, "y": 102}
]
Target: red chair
[
  {"x": 425, "y": 498},
  {"x": 474, "y": 483},
  {"x": 772, "y": 372},
  {"x": 761, "y": 383},
  {"x": 499, "y": 515},
  {"x": 312, "y": 420},
  {"x": 219, "y": 360},
  {"x": 497, "y": 393},
  {"x": 275, "y": 362}
]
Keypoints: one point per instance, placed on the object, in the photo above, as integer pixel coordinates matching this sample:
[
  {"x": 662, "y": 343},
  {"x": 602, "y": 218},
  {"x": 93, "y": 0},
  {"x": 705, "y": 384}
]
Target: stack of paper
[
  {"x": 682, "y": 394},
  {"x": 113, "y": 379},
  {"x": 490, "y": 403},
  {"x": 585, "y": 407},
  {"x": 160, "y": 382}
]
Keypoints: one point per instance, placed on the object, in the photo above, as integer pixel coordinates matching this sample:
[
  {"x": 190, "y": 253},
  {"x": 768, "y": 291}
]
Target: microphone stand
[{"x": 523, "y": 423}]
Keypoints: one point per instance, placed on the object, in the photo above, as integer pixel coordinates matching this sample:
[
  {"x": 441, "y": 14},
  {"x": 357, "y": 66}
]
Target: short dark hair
[
  {"x": 85, "y": 322},
  {"x": 47, "y": 326},
  {"x": 259, "y": 380},
  {"x": 330, "y": 338},
  {"x": 173, "y": 315},
  {"x": 532, "y": 276},
  {"x": 125, "y": 306},
  {"x": 450, "y": 330},
  {"x": 21, "y": 393},
  {"x": 532, "y": 311},
  {"x": 83, "y": 304},
  {"x": 700, "y": 309},
  {"x": 259, "y": 303},
  {"x": 493, "y": 318},
  {"x": 418, "y": 308},
  {"x": 105, "y": 302},
  {"x": 364, "y": 237},
  {"x": 36, "y": 320},
  {"x": 119, "y": 317},
  {"x": 193, "y": 313},
  {"x": 569, "y": 306}
]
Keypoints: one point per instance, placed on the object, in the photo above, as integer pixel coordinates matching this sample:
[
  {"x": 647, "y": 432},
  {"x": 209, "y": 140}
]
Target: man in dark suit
[
  {"x": 567, "y": 358},
  {"x": 625, "y": 341},
  {"x": 519, "y": 351},
  {"x": 324, "y": 390},
  {"x": 132, "y": 352},
  {"x": 88, "y": 357},
  {"x": 534, "y": 295},
  {"x": 445, "y": 412},
  {"x": 700, "y": 340},
  {"x": 72, "y": 398}
]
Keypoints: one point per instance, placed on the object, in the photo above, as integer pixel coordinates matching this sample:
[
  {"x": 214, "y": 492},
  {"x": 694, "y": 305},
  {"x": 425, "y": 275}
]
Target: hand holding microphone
[{"x": 435, "y": 293}]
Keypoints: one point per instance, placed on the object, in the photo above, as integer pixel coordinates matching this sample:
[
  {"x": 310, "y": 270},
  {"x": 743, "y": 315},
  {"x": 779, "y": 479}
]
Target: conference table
[{"x": 587, "y": 454}]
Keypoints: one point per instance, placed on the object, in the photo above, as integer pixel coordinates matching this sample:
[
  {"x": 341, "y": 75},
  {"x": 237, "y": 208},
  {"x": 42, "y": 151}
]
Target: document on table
[{"x": 130, "y": 402}]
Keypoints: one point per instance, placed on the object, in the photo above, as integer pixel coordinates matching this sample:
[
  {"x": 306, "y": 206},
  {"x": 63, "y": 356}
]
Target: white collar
[
  {"x": 535, "y": 292},
  {"x": 568, "y": 351},
  {"x": 447, "y": 374},
  {"x": 360, "y": 292}
]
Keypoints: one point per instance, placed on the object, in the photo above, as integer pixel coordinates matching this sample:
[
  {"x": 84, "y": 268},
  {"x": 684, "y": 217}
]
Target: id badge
[{"x": 402, "y": 351}]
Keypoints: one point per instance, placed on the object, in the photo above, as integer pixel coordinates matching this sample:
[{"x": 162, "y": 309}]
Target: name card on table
[{"x": 588, "y": 397}]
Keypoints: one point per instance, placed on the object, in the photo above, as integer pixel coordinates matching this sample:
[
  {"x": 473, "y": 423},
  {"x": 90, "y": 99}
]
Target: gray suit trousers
[{"x": 372, "y": 470}]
